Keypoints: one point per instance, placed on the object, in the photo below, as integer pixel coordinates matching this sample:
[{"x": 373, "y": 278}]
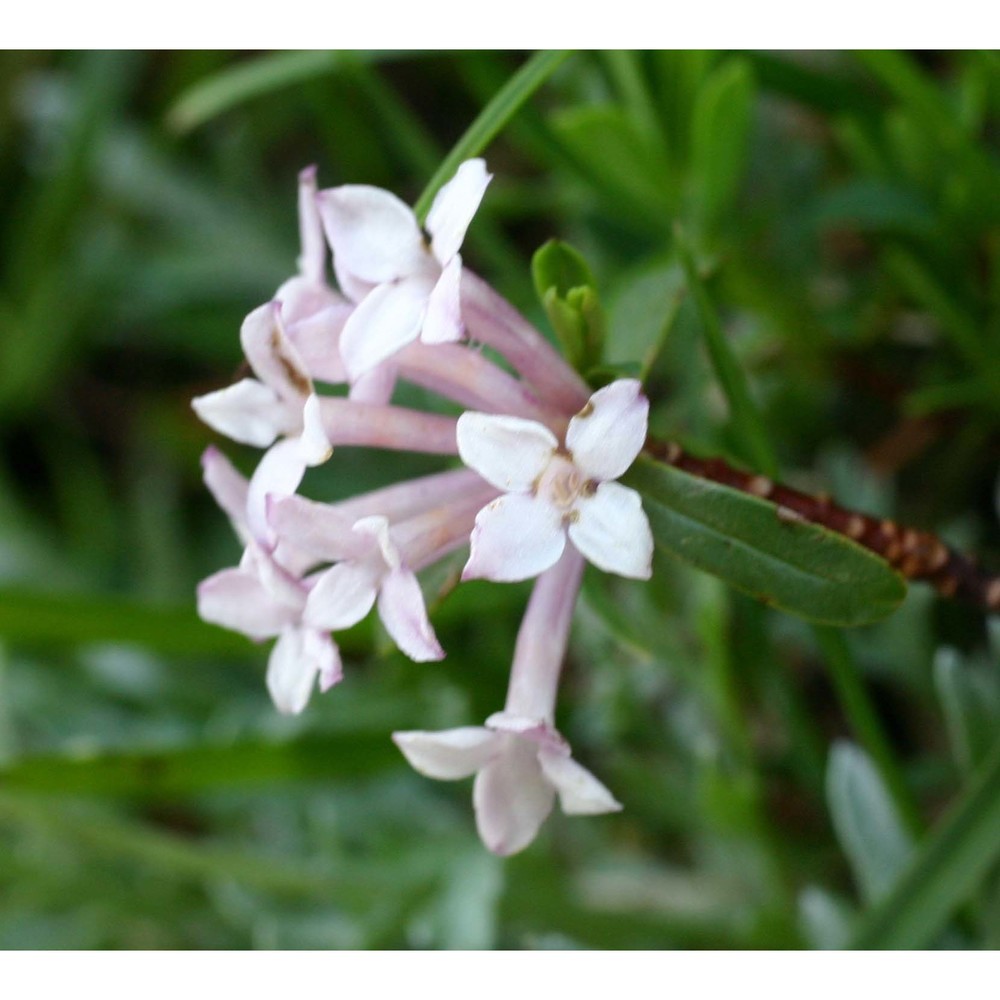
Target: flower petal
[
  {"x": 512, "y": 798},
  {"x": 317, "y": 528},
  {"x": 375, "y": 236},
  {"x": 236, "y": 599},
  {"x": 344, "y": 594},
  {"x": 247, "y": 411},
  {"x": 443, "y": 318},
  {"x": 316, "y": 337},
  {"x": 278, "y": 473},
  {"x": 313, "y": 442},
  {"x": 312, "y": 259},
  {"x": 612, "y": 531},
  {"x": 580, "y": 793},
  {"x": 454, "y": 206},
  {"x": 404, "y": 615},
  {"x": 228, "y": 487},
  {"x": 605, "y": 437},
  {"x": 449, "y": 754},
  {"x": 515, "y": 537},
  {"x": 508, "y": 452},
  {"x": 298, "y": 658},
  {"x": 387, "y": 319},
  {"x": 272, "y": 355}
]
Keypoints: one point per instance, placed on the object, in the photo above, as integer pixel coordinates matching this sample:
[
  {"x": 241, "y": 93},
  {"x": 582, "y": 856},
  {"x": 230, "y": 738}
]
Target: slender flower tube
[
  {"x": 490, "y": 319},
  {"x": 349, "y": 422},
  {"x": 520, "y": 760},
  {"x": 468, "y": 378}
]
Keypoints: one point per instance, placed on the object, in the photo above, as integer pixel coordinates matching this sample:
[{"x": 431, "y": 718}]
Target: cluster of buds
[{"x": 536, "y": 497}]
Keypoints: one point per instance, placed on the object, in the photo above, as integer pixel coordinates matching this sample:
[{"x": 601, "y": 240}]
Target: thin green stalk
[
  {"x": 946, "y": 869},
  {"x": 488, "y": 123},
  {"x": 864, "y": 720},
  {"x": 747, "y": 419}
]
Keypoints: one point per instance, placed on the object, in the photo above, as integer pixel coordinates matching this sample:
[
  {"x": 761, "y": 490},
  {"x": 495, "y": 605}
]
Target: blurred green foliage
[{"x": 801, "y": 253}]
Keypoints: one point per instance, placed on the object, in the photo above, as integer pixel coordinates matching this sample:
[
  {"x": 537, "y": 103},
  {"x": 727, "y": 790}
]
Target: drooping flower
[
  {"x": 554, "y": 492},
  {"x": 521, "y": 762},
  {"x": 403, "y": 287},
  {"x": 279, "y": 403},
  {"x": 263, "y": 600}
]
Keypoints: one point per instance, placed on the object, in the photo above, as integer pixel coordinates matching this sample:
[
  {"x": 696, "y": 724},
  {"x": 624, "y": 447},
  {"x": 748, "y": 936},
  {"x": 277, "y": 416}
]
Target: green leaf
[
  {"x": 565, "y": 285},
  {"x": 498, "y": 112},
  {"x": 868, "y": 827},
  {"x": 970, "y": 700},
  {"x": 795, "y": 566},
  {"x": 71, "y": 619},
  {"x": 720, "y": 129},
  {"x": 243, "y": 81},
  {"x": 947, "y": 867},
  {"x": 186, "y": 770},
  {"x": 748, "y": 422}
]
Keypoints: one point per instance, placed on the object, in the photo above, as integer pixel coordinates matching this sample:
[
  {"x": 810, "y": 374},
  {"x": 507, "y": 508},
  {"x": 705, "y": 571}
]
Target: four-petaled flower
[
  {"x": 403, "y": 287},
  {"x": 520, "y": 764},
  {"x": 555, "y": 492}
]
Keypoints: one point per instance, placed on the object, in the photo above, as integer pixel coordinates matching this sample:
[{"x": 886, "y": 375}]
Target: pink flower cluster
[{"x": 536, "y": 497}]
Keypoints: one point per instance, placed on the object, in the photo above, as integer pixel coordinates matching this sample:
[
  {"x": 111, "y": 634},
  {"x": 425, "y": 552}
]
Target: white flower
[
  {"x": 404, "y": 289},
  {"x": 375, "y": 573},
  {"x": 279, "y": 403},
  {"x": 554, "y": 492},
  {"x": 262, "y": 600},
  {"x": 520, "y": 764}
]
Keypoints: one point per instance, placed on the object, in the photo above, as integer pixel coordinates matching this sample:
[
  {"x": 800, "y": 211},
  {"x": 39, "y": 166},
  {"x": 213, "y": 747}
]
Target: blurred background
[{"x": 776, "y": 781}]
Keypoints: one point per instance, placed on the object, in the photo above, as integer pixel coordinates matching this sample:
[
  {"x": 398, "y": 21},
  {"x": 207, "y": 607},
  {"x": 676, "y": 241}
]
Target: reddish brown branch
[{"x": 918, "y": 555}]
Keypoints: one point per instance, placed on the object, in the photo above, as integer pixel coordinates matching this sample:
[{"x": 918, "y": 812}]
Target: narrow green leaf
[
  {"x": 720, "y": 130},
  {"x": 947, "y": 867},
  {"x": 503, "y": 106},
  {"x": 187, "y": 770},
  {"x": 795, "y": 566},
  {"x": 867, "y": 824},
  {"x": 243, "y": 81},
  {"x": 73, "y": 619},
  {"x": 747, "y": 420},
  {"x": 970, "y": 701}
]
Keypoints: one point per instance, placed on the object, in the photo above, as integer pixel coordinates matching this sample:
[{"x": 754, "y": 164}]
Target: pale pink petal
[
  {"x": 387, "y": 319},
  {"x": 580, "y": 793},
  {"x": 612, "y": 531},
  {"x": 312, "y": 260},
  {"x": 605, "y": 437},
  {"x": 316, "y": 337},
  {"x": 272, "y": 355},
  {"x": 279, "y": 473},
  {"x": 313, "y": 442},
  {"x": 376, "y": 527},
  {"x": 315, "y": 527},
  {"x": 228, "y": 487},
  {"x": 508, "y": 452},
  {"x": 237, "y": 600},
  {"x": 343, "y": 595},
  {"x": 512, "y": 798},
  {"x": 539, "y": 731},
  {"x": 375, "y": 236},
  {"x": 454, "y": 206},
  {"x": 404, "y": 615},
  {"x": 248, "y": 411},
  {"x": 299, "y": 657},
  {"x": 278, "y": 581},
  {"x": 515, "y": 537},
  {"x": 443, "y": 318},
  {"x": 449, "y": 754}
]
